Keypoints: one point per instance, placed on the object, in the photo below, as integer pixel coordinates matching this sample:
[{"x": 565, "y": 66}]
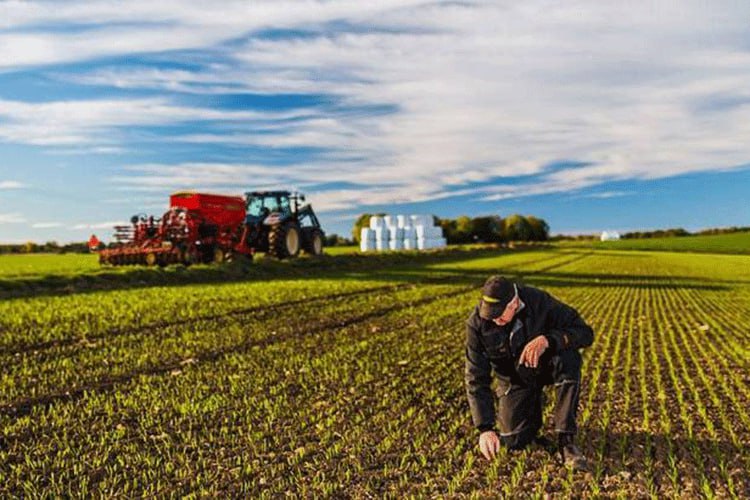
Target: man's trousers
[{"x": 520, "y": 404}]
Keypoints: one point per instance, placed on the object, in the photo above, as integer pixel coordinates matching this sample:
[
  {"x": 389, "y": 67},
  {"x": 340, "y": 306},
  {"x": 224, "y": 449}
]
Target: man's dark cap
[{"x": 497, "y": 293}]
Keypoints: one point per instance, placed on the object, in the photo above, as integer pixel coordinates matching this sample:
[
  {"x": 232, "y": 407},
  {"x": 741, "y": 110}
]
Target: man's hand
[
  {"x": 533, "y": 351},
  {"x": 489, "y": 444}
]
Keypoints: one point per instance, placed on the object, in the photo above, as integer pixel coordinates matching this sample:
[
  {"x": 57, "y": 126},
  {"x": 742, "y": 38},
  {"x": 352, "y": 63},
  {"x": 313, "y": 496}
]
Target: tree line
[
  {"x": 678, "y": 231},
  {"x": 484, "y": 229},
  {"x": 48, "y": 247}
]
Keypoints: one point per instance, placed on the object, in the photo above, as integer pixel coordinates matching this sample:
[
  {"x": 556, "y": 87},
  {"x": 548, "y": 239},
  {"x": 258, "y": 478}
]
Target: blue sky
[{"x": 594, "y": 115}]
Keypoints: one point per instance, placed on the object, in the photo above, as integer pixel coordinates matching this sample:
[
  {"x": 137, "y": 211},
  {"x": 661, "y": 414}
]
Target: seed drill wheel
[
  {"x": 314, "y": 244},
  {"x": 219, "y": 255},
  {"x": 191, "y": 256},
  {"x": 284, "y": 240}
]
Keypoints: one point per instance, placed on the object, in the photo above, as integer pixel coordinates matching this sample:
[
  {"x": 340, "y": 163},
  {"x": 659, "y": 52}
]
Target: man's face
[{"x": 508, "y": 313}]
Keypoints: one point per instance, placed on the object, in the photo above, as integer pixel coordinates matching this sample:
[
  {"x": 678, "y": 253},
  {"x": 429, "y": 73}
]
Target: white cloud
[
  {"x": 12, "y": 218},
  {"x": 98, "y": 225},
  {"x": 152, "y": 26},
  {"x": 11, "y": 185},
  {"x": 76, "y": 123},
  {"x": 46, "y": 225},
  {"x": 607, "y": 194}
]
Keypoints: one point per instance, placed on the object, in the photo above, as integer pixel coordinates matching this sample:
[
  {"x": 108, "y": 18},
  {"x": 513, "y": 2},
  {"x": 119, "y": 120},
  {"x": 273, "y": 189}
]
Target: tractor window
[
  {"x": 254, "y": 207},
  {"x": 305, "y": 220},
  {"x": 272, "y": 204},
  {"x": 284, "y": 205}
]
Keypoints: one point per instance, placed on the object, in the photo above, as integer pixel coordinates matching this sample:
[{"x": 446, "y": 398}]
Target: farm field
[
  {"x": 343, "y": 377},
  {"x": 736, "y": 243}
]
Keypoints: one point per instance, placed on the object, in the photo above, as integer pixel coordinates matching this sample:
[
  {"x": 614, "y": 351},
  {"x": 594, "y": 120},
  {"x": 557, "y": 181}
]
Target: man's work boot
[
  {"x": 544, "y": 443},
  {"x": 571, "y": 455}
]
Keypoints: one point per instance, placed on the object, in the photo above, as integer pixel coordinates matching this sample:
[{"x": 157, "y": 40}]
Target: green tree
[
  {"x": 449, "y": 230},
  {"x": 464, "y": 229},
  {"x": 517, "y": 228},
  {"x": 539, "y": 228},
  {"x": 488, "y": 229}
]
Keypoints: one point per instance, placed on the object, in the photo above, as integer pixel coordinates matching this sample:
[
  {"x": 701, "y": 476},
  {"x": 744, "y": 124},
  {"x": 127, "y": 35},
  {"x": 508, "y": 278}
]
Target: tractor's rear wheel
[
  {"x": 284, "y": 240},
  {"x": 314, "y": 243}
]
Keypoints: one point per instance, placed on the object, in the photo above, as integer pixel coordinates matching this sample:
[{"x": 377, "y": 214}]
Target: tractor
[
  {"x": 207, "y": 228},
  {"x": 278, "y": 224}
]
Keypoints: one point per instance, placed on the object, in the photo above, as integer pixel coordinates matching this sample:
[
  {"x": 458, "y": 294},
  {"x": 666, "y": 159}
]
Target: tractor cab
[{"x": 262, "y": 205}]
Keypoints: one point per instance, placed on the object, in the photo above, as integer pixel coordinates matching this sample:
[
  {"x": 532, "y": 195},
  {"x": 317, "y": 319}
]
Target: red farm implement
[{"x": 197, "y": 228}]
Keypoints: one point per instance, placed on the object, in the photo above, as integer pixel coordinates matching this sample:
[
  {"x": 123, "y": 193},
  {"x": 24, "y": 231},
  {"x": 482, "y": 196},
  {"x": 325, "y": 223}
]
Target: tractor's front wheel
[
  {"x": 314, "y": 243},
  {"x": 284, "y": 241}
]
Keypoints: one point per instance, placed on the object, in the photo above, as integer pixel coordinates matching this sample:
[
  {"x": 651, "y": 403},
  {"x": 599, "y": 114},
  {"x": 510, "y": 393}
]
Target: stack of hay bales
[
  {"x": 367, "y": 239},
  {"x": 402, "y": 232},
  {"x": 428, "y": 235}
]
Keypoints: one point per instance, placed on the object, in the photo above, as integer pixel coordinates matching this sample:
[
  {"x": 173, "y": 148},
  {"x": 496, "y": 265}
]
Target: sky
[{"x": 592, "y": 115}]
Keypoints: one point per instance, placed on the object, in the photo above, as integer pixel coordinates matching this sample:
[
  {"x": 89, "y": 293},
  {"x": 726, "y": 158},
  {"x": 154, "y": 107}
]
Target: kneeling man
[{"x": 529, "y": 339}]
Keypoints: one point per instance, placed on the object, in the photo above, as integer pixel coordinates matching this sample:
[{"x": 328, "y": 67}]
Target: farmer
[{"x": 529, "y": 339}]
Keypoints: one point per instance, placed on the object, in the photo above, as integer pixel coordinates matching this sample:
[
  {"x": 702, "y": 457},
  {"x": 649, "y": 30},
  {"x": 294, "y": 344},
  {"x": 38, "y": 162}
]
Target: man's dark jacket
[{"x": 492, "y": 347}]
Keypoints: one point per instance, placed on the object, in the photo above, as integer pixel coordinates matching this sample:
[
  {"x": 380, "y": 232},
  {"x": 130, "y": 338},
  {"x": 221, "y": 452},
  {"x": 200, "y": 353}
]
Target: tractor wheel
[
  {"x": 314, "y": 244},
  {"x": 284, "y": 240}
]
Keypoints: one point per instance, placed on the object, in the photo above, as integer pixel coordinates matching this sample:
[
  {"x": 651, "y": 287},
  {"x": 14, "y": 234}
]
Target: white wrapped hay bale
[
  {"x": 429, "y": 243},
  {"x": 381, "y": 245},
  {"x": 389, "y": 220},
  {"x": 396, "y": 241},
  {"x": 429, "y": 232},
  {"x": 397, "y": 233},
  {"x": 382, "y": 238},
  {"x": 422, "y": 220},
  {"x": 396, "y": 244},
  {"x": 403, "y": 221},
  {"x": 376, "y": 221},
  {"x": 382, "y": 234},
  {"x": 410, "y": 238},
  {"x": 367, "y": 240}
]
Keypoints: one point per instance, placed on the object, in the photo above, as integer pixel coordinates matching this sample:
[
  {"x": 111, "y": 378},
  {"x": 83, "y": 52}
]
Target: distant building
[{"x": 610, "y": 236}]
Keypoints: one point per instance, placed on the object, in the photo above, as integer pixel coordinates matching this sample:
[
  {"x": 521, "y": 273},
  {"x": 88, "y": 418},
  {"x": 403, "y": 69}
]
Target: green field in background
[{"x": 738, "y": 243}]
